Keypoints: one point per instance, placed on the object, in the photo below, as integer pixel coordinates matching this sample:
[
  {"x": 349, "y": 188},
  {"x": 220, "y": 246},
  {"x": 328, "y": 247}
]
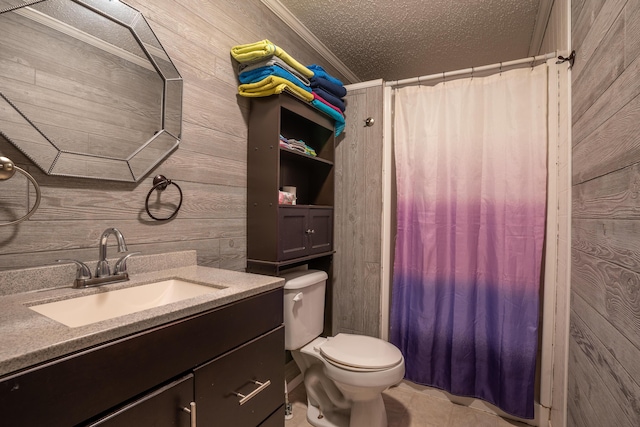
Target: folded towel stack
[
  {"x": 297, "y": 145},
  {"x": 328, "y": 93},
  {"x": 265, "y": 69}
]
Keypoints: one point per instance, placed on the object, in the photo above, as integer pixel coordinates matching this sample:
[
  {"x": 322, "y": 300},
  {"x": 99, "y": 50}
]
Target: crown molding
[{"x": 300, "y": 29}]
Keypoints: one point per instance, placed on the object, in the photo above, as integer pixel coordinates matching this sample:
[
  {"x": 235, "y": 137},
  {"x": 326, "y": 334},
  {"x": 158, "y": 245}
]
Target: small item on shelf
[
  {"x": 286, "y": 198},
  {"x": 292, "y": 190}
]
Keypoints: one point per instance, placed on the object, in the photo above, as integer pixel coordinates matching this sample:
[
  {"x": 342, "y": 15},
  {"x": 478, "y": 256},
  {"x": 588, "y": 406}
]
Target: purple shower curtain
[{"x": 471, "y": 179}]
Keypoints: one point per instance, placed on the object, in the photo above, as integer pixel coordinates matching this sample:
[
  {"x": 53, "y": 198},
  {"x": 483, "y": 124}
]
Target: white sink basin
[{"x": 89, "y": 309}]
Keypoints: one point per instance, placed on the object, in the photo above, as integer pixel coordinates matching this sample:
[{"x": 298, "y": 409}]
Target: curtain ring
[
  {"x": 533, "y": 61},
  {"x": 472, "y": 70},
  {"x": 160, "y": 183},
  {"x": 444, "y": 79},
  {"x": 500, "y": 67}
]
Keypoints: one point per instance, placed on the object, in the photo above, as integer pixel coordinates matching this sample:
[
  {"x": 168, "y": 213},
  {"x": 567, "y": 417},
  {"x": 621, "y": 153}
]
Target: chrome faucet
[{"x": 102, "y": 269}]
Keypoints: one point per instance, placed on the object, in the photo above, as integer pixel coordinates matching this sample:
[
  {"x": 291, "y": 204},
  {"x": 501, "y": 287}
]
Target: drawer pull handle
[
  {"x": 191, "y": 410},
  {"x": 261, "y": 386}
]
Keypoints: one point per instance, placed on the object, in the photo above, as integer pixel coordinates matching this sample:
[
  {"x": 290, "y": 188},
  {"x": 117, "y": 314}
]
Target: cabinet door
[
  {"x": 161, "y": 408},
  {"x": 254, "y": 370},
  {"x": 292, "y": 236},
  {"x": 320, "y": 230}
]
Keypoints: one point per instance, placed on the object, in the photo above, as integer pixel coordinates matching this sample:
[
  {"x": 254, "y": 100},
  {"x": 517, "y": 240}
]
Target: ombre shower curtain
[{"x": 471, "y": 187}]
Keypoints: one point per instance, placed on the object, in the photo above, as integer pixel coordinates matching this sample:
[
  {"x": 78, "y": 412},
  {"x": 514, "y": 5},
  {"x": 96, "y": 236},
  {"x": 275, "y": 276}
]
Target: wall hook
[{"x": 571, "y": 58}]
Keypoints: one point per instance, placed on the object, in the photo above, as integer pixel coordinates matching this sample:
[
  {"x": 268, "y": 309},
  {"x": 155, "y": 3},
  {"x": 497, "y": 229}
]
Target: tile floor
[{"x": 410, "y": 408}]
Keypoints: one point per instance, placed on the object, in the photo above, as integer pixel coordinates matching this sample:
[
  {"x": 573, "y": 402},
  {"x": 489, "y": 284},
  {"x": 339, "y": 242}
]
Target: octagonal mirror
[{"x": 86, "y": 89}]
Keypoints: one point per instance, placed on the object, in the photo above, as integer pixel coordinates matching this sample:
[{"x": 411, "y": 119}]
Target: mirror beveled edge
[{"x": 52, "y": 160}]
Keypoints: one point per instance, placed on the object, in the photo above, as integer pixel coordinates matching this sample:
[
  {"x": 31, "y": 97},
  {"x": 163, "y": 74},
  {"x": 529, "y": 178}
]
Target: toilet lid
[{"x": 361, "y": 352}]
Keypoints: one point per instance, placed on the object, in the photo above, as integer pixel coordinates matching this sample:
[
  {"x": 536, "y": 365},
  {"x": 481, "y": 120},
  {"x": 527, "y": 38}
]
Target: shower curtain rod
[{"x": 444, "y": 75}]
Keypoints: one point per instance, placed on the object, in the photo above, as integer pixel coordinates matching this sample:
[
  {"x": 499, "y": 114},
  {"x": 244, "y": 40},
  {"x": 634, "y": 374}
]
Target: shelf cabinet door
[
  {"x": 320, "y": 230},
  {"x": 292, "y": 236},
  {"x": 304, "y": 231}
]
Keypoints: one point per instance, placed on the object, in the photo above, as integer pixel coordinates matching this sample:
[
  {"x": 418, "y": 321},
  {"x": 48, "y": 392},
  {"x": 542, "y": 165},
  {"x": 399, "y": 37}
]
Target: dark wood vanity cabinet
[
  {"x": 279, "y": 235},
  {"x": 148, "y": 378}
]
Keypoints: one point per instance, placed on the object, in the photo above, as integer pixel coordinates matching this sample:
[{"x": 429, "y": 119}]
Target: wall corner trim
[
  {"x": 540, "y": 27},
  {"x": 299, "y": 28}
]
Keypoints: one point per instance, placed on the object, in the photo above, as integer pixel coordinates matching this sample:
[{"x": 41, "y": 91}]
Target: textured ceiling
[{"x": 396, "y": 39}]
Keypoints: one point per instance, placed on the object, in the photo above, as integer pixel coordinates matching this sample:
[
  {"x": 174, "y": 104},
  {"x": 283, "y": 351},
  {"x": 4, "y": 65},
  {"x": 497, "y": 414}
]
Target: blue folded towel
[
  {"x": 339, "y": 118},
  {"x": 318, "y": 71},
  {"x": 253, "y": 76},
  {"x": 330, "y": 98},
  {"x": 337, "y": 90},
  {"x": 274, "y": 60}
]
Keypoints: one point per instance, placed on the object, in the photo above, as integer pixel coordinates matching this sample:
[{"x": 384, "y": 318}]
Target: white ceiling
[{"x": 397, "y": 39}]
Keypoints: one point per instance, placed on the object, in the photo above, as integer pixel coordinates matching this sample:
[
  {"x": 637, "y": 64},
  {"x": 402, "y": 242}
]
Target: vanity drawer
[
  {"x": 160, "y": 408},
  {"x": 217, "y": 382}
]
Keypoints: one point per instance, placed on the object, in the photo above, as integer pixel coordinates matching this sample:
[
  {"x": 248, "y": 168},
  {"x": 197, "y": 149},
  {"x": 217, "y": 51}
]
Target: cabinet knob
[
  {"x": 310, "y": 231},
  {"x": 192, "y": 411}
]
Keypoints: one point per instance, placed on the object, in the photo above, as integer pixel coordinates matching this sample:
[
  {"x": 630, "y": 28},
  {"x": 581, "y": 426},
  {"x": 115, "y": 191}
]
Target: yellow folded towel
[
  {"x": 253, "y": 51},
  {"x": 264, "y": 49},
  {"x": 273, "y": 85},
  {"x": 292, "y": 62}
]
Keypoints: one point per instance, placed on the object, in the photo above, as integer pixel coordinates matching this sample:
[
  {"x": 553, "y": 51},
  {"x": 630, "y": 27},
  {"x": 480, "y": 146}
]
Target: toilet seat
[{"x": 360, "y": 353}]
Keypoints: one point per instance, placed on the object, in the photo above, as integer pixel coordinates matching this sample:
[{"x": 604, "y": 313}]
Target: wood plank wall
[
  {"x": 358, "y": 217},
  {"x": 604, "y": 346},
  {"x": 210, "y": 164}
]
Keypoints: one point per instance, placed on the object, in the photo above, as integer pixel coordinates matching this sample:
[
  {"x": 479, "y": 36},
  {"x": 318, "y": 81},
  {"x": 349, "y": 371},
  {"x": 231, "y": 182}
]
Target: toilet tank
[{"x": 303, "y": 307}]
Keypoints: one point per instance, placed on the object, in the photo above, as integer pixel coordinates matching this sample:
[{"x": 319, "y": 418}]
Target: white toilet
[{"x": 345, "y": 375}]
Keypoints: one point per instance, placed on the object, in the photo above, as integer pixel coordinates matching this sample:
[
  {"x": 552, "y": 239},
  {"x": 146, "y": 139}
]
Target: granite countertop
[{"x": 28, "y": 338}]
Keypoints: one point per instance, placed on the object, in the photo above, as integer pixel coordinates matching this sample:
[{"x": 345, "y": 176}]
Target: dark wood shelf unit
[
  {"x": 271, "y": 167},
  {"x": 281, "y": 237}
]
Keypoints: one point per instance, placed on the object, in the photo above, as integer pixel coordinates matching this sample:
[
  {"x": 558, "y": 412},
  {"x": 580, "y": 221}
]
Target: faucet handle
[
  {"x": 121, "y": 264},
  {"x": 83, "y": 272},
  {"x": 103, "y": 269}
]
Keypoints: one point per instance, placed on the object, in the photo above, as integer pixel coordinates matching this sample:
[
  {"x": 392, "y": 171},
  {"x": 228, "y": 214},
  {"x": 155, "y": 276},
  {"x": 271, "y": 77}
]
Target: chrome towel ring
[
  {"x": 160, "y": 183},
  {"x": 7, "y": 170}
]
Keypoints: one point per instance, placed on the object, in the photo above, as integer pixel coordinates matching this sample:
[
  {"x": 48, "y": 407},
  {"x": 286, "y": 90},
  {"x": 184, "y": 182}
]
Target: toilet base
[
  {"x": 338, "y": 418},
  {"x": 369, "y": 413}
]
